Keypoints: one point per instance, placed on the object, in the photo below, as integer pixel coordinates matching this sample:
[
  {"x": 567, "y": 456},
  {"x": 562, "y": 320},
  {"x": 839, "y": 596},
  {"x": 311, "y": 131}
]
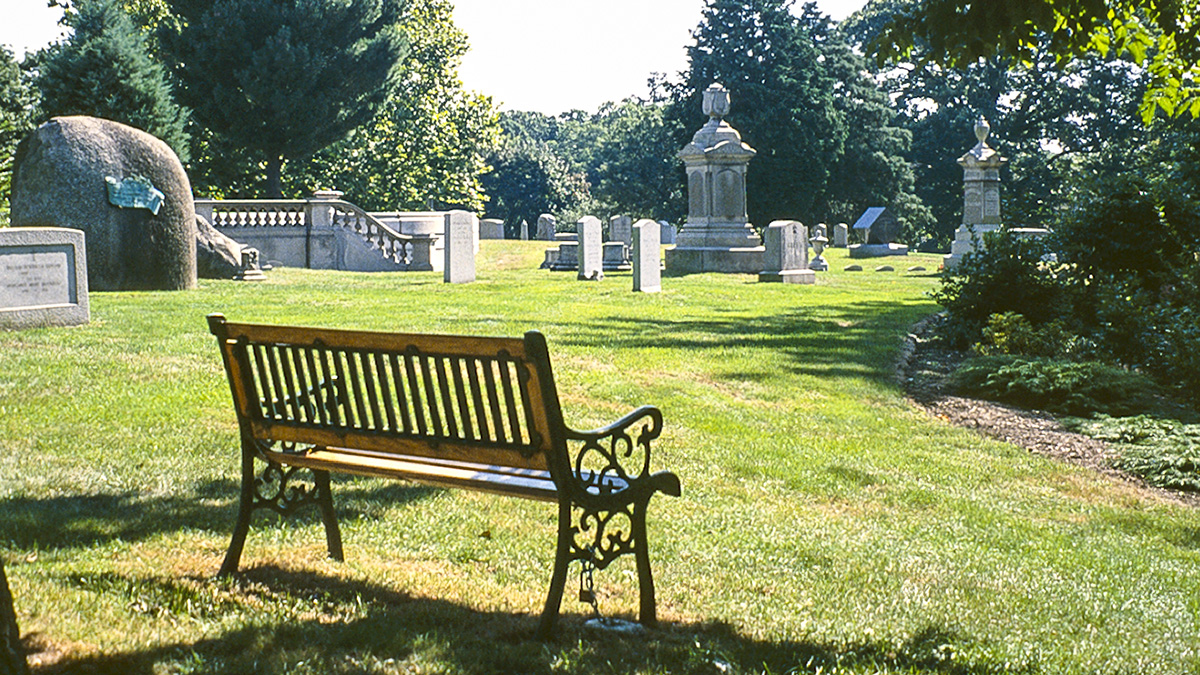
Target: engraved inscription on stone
[
  {"x": 991, "y": 204},
  {"x": 36, "y": 277}
]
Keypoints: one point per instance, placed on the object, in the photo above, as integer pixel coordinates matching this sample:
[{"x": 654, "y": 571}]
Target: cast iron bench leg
[
  {"x": 234, "y": 555},
  {"x": 558, "y": 581},
  {"x": 333, "y": 536}
]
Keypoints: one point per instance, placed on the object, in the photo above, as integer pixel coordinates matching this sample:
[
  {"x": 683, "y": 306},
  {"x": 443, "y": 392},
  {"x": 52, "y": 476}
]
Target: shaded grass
[{"x": 826, "y": 524}]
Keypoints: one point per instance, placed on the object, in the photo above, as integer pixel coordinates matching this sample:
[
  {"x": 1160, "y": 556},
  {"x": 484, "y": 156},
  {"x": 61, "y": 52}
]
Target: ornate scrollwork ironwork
[
  {"x": 610, "y": 459},
  {"x": 274, "y": 488},
  {"x": 602, "y": 536}
]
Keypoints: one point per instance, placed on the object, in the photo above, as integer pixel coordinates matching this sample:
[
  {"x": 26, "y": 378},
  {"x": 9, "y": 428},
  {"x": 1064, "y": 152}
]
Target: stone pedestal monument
[
  {"x": 981, "y": 197},
  {"x": 717, "y": 236}
]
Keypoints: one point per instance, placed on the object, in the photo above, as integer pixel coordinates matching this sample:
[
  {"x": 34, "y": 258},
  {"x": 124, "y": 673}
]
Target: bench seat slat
[
  {"x": 482, "y": 477},
  {"x": 417, "y": 446}
]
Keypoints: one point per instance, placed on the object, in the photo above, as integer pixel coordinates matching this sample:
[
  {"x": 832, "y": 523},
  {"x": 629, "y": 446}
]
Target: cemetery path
[{"x": 923, "y": 368}]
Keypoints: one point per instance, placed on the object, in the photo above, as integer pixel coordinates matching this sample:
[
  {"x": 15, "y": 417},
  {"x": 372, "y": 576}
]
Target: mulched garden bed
[{"x": 923, "y": 368}]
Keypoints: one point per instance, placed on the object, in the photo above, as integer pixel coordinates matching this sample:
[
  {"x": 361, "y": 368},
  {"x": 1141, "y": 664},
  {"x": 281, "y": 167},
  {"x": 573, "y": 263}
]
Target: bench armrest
[{"x": 616, "y": 458}]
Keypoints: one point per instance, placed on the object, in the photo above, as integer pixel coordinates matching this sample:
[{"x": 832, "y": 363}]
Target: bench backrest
[{"x": 479, "y": 399}]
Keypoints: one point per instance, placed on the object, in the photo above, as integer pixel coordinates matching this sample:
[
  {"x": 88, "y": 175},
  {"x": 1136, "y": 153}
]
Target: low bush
[
  {"x": 1011, "y": 333},
  {"x": 1009, "y": 275},
  {"x": 1164, "y": 452},
  {"x": 1083, "y": 388}
]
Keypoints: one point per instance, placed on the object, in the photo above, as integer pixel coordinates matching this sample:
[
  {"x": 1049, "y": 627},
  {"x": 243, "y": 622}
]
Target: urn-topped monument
[
  {"x": 717, "y": 236},
  {"x": 981, "y": 196}
]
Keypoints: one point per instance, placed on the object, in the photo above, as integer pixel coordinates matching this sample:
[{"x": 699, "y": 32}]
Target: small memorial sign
[{"x": 135, "y": 192}]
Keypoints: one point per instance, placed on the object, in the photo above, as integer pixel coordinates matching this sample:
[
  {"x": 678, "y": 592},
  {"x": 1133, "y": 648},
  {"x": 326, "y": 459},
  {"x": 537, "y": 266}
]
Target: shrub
[
  {"x": 1009, "y": 275},
  {"x": 1083, "y": 388},
  {"x": 1011, "y": 333}
]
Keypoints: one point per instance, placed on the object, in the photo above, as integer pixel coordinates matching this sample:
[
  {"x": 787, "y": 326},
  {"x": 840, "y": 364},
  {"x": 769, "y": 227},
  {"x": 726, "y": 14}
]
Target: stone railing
[
  {"x": 322, "y": 212},
  {"x": 391, "y": 244}
]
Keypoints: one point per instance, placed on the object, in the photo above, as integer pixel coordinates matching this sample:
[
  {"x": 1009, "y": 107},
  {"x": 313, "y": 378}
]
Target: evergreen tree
[
  {"x": 104, "y": 70},
  {"x": 872, "y": 169},
  {"x": 782, "y": 103},
  {"x": 284, "y": 78}
]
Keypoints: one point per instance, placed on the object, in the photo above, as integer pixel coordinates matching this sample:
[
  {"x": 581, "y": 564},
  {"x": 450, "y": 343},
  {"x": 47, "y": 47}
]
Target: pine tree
[
  {"x": 105, "y": 70},
  {"x": 782, "y": 102},
  {"x": 285, "y": 78}
]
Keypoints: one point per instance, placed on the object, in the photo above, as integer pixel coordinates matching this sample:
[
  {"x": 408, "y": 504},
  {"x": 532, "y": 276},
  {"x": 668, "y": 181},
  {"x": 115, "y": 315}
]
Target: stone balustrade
[{"x": 313, "y": 233}]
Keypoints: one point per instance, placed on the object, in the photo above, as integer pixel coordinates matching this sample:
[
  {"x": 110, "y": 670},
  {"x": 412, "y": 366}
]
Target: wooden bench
[{"x": 478, "y": 413}]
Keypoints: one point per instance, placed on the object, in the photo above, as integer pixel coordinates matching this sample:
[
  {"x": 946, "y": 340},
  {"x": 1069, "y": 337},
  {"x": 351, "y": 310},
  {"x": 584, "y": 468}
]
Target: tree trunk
[
  {"x": 12, "y": 657},
  {"x": 275, "y": 177}
]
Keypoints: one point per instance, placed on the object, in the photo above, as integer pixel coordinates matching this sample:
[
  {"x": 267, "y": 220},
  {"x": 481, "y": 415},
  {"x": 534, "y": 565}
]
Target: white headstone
[
  {"x": 461, "y": 227},
  {"x": 524, "y": 230},
  {"x": 591, "y": 249},
  {"x": 841, "y": 235},
  {"x": 491, "y": 228},
  {"x": 786, "y": 256},
  {"x": 43, "y": 278},
  {"x": 647, "y": 265}
]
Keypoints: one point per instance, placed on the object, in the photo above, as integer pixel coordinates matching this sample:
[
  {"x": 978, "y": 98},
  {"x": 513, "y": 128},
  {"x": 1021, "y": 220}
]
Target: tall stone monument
[
  {"x": 717, "y": 236},
  {"x": 981, "y": 197}
]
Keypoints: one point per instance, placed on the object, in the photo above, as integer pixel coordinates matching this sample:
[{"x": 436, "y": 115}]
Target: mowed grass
[{"x": 826, "y": 524}]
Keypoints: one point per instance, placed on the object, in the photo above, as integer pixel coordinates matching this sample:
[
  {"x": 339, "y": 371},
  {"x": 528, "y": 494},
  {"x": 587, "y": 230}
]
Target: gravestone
[
  {"x": 620, "y": 228},
  {"x": 461, "y": 227},
  {"x": 524, "y": 234},
  {"x": 717, "y": 236},
  {"x": 565, "y": 258},
  {"x": 43, "y": 278},
  {"x": 786, "y": 256},
  {"x": 878, "y": 228},
  {"x": 591, "y": 253},
  {"x": 666, "y": 233},
  {"x": 616, "y": 257},
  {"x": 981, "y": 197},
  {"x": 841, "y": 235},
  {"x": 647, "y": 262},
  {"x": 62, "y": 174},
  {"x": 491, "y": 228},
  {"x": 545, "y": 227}
]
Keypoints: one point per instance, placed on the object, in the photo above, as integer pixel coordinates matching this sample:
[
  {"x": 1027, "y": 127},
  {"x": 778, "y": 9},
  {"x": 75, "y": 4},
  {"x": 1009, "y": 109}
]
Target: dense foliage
[
  {"x": 1158, "y": 35},
  {"x": 827, "y": 144},
  {"x": 1052, "y": 122},
  {"x": 105, "y": 70},
  {"x": 529, "y": 177},
  {"x": 428, "y": 145},
  {"x": 284, "y": 79},
  {"x": 17, "y": 100}
]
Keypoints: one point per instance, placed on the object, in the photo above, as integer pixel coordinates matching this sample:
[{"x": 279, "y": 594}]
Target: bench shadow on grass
[
  {"x": 355, "y": 626},
  {"x": 857, "y": 340},
  {"x": 81, "y": 521}
]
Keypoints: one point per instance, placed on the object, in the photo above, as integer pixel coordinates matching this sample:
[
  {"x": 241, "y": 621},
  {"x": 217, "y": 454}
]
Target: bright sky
[{"x": 544, "y": 55}]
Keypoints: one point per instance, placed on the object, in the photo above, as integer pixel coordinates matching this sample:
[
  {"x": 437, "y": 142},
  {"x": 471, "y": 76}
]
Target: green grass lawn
[{"x": 826, "y": 524}]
